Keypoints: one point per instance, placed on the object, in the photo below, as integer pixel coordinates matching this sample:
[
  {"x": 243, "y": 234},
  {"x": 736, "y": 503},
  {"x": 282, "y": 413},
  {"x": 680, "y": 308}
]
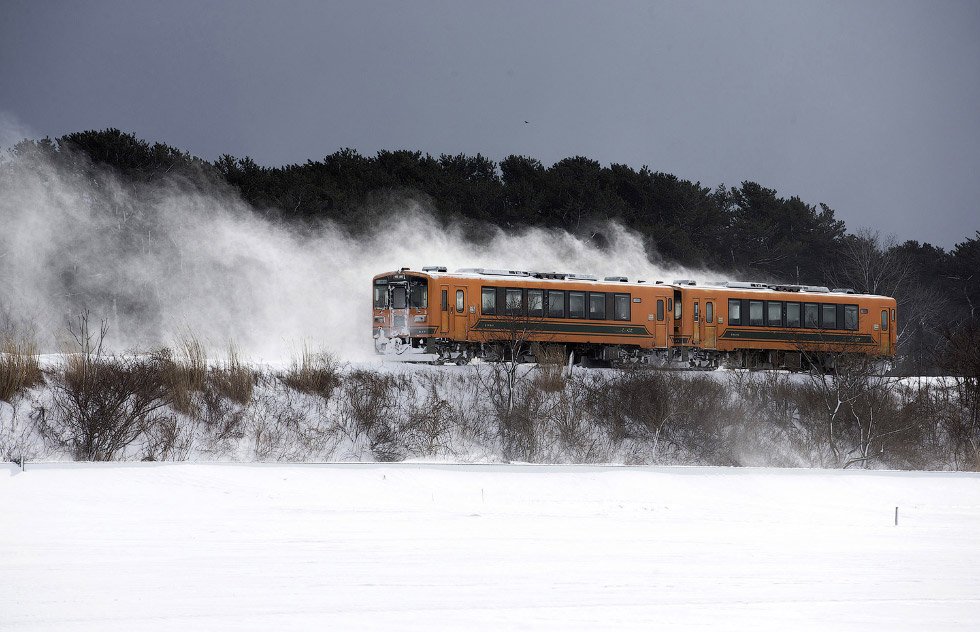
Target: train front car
[{"x": 401, "y": 326}]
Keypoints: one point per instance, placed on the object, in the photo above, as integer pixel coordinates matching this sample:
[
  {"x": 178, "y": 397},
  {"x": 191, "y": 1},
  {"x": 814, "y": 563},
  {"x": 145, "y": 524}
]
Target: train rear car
[{"x": 780, "y": 326}]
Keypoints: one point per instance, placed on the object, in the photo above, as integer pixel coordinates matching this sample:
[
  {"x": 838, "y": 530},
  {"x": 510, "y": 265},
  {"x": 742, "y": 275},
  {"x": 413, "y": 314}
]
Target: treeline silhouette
[{"x": 749, "y": 230}]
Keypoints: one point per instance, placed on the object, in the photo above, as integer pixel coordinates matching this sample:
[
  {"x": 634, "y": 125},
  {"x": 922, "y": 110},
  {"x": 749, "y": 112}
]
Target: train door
[
  {"x": 884, "y": 337},
  {"x": 678, "y": 314},
  {"x": 444, "y": 314},
  {"x": 709, "y": 339},
  {"x": 696, "y": 315},
  {"x": 660, "y": 327},
  {"x": 459, "y": 312}
]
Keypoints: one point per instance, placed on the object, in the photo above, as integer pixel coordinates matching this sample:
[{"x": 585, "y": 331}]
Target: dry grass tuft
[
  {"x": 20, "y": 367},
  {"x": 233, "y": 380},
  {"x": 313, "y": 373},
  {"x": 185, "y": 372},
  {"x": 549, "y": 375}
]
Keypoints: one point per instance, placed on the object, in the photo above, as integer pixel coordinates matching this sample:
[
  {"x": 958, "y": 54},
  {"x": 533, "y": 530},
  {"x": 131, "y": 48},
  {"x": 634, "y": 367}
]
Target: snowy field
[{"x": 423, "y": 547}]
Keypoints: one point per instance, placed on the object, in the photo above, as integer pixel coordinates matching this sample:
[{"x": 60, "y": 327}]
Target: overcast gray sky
[{"x": 870, "y": 107}]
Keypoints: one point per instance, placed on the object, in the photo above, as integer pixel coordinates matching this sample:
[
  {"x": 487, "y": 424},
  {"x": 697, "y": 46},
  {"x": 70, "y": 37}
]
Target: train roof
[{"x": 494, "y": 274}]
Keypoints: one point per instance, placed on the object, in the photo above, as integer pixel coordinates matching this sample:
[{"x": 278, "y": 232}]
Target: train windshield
[
  {"x": 401, "y": 293},
  {"x": 399, "y": 297},
  {"x": 380, "y": 293}
]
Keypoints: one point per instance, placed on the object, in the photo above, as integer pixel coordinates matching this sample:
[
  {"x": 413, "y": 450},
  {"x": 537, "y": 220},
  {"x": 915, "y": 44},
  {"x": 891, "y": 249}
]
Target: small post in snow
[{"x": 896, "y": 516}]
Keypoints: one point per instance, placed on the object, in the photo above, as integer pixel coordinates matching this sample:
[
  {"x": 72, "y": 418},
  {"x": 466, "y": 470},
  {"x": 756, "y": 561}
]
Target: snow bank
[{"x": 423, "y": 547}]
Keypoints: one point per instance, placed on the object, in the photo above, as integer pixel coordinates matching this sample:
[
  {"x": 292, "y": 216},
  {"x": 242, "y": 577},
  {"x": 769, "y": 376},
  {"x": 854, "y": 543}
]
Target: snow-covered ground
[{"x": 423, "y": 547}]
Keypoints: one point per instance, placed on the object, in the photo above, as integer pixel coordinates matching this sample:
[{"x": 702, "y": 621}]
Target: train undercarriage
[{"x": 443, "y": 351}]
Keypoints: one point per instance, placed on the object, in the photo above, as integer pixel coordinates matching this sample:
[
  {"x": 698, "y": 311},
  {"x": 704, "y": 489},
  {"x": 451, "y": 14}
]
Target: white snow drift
[{"x": 423, "y": 547}]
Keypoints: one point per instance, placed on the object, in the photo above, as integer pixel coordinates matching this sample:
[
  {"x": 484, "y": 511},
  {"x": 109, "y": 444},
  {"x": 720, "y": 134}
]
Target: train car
[
  {"x": 778, "y": 326},
  {"x": 476, "y": 312},
  {"x": 435, "y": 315}
]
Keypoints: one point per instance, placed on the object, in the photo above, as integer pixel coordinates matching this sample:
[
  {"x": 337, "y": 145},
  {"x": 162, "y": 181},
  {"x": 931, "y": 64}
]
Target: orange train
[{"x": 439, "y": 316}]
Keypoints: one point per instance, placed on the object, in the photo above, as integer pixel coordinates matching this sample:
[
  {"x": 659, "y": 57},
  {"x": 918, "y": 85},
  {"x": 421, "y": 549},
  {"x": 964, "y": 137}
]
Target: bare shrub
[
  {"x": 282, "y": 424},
  {"x": 314, "y": 374},
  {"x": 859, "y": 417},
  {"x": 473, "y": 428},
  {"x": 568, "y": 434},
  {"x": 961, "y": 360},
  {"x": 102, "y": 404},
  {"x": 167, "y": 440},
  {"x": 429, "y": 418},
  {"x": 220, "y": 423},
  {"x": 515, "y": 403},
  {"x": 370, "y": 408},
  {"x": 17, "y": 434},
  {"x": 779, "y": 420},
  {"x": 920, "y": 407},
  {"x": 19, "y": 367},
  {"x": 665, "y": 416}
]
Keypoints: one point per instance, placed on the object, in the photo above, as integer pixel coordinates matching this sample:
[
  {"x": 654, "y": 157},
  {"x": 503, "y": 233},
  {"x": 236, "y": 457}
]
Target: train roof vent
[
  {"x": 549, "y": 275},
  {"x": 746, "y": 285},
  {"x": 822, "y": 289},
  {"x": 493, "y": 272},
  {"x": 685, "y": 282},
  {"x": 843, "y": 290},
  {"x": 787, "y": 288},
  {"x": 433, "y": 268},
  {"x": 582, "y": 277},
  {"x": 618, "y": 279}
]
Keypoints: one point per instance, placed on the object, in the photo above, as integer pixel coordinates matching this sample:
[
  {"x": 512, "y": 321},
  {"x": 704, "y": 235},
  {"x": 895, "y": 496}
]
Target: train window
[
  {"x": 576, "y": 304},
  {"x": 670, "y": 305},
  {"x": 678, "y": 309},
  {"x": 597, "y": 306},
  {"x": 514, "y": 301},
  {"x": 459, "y": 301},
  {"x": 851, "y": 317},
  {"x": 399, "y": 298},
  {"x": 556, "y": 303},
  {"x": 755, "y": 313},
  {"x": 381, "y": 296},
  {"x": 419, "y": 296},
  {"x": 660, "y": 309},
  {"x": 828, "y": 316},
  {"x": 535, "y": 302},
  {"x": 792, "y": 314},
  {"x": 622, "y": 307},
  {"x": 709, "y": 312},
  {"x": 734, "y": 311},
  {"x": 893, "y": 315},
  {"x": 811, "y": 315},
  {"x": 488, "y": 304},
  {"x": 697, "y": 311},
  {"x": 445, "y": 300},
  {"x": 774, "y": 313},
  {"x": 884, "y": 320}
]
